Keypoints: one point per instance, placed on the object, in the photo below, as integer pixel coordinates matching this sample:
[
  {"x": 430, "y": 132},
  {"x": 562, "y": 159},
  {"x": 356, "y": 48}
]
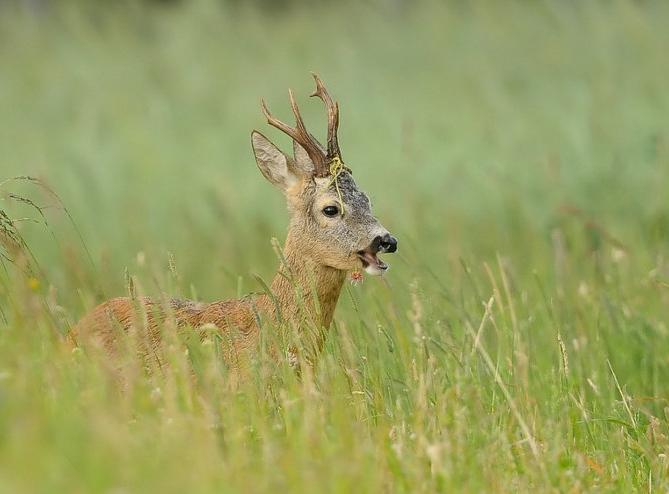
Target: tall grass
[{"x": 520, "y": 153}]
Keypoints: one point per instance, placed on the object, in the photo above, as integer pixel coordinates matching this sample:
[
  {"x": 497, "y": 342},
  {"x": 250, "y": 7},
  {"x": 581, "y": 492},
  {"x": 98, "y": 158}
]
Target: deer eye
[{"x": 330, "y": 211}]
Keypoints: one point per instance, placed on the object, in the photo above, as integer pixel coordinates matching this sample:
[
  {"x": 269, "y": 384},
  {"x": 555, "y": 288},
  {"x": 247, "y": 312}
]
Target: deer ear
[
  {"x": 274, "y": 165},
  {"x": 302, "y": 161}
]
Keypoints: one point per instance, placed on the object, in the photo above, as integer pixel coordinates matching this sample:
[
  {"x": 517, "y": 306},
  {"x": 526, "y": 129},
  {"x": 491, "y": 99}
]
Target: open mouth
[{"x": 371, "y": 262}]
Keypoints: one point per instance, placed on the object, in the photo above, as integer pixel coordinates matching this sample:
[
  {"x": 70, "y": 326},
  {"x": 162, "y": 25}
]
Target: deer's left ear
[{"x": 274, "y": 165}]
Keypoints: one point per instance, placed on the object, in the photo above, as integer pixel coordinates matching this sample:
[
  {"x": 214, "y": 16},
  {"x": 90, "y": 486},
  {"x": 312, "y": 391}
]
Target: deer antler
[
  {"x": 332, "y": 108},
  {"x": 300, "y": 134}
]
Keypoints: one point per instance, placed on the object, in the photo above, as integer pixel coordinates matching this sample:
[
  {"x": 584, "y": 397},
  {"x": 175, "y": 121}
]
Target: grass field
[{"x": 518, "y": 150}]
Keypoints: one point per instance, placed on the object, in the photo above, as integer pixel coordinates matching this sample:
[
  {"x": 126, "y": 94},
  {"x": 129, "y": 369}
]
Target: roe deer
[{"x": 331, "y": 231}]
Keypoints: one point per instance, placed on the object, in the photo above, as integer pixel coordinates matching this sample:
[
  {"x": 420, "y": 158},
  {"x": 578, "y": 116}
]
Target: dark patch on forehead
[{"x": 349, "y": 191}]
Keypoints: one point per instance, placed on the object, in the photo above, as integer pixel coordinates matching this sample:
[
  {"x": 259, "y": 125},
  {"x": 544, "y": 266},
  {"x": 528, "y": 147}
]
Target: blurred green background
[{"x": 518, "y": 150}]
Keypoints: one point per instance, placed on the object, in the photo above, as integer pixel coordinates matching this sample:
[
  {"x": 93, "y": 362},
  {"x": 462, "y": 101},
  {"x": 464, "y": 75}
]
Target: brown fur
[
  {"x": 318, "y": 252},
  {"x": 237, "y": 320}
]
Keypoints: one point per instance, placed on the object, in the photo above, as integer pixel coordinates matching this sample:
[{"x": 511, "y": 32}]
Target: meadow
[{"x": 518, "y": 150}]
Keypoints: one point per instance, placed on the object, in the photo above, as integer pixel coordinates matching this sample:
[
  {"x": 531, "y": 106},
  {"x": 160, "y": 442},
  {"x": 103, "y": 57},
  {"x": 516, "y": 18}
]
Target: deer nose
[{"x": 388, "y": 243}]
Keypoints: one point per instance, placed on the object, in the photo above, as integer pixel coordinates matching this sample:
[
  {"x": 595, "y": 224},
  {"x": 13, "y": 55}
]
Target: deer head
[{"x": 331, "y": 220}]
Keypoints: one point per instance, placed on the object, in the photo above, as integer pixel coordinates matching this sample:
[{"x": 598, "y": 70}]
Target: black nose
[{"x": 388, "y": 243}]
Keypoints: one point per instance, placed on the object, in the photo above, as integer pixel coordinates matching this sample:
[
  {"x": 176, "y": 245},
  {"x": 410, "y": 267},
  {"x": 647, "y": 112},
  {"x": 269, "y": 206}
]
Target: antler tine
[
  {"x": 300, "y": 135},
  {"x": 296, "y": 111},
  {"x": 309, "y": 142},
  {"x": 275, "y": 122},
  {"x": 333, "y": 117}
]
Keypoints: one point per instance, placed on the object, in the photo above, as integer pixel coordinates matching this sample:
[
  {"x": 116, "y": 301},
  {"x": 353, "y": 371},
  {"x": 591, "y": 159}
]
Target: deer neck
[{"x": 304, "y": 288}]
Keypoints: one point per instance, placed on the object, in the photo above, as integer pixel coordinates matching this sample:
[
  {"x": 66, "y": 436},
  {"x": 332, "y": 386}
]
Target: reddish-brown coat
[{"x": 236, "y": 320}]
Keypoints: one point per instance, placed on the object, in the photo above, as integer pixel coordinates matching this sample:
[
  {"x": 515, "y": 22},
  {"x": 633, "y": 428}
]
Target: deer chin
[{"x": 371, "y": 263}]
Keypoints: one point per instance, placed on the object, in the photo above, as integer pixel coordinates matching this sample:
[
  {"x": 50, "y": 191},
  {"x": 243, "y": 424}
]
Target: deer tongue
[{"x": 371, "y": 260}]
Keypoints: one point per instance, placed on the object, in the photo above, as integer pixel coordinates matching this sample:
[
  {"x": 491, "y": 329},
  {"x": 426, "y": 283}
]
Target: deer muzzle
[{"x": 370, "y": 261}]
